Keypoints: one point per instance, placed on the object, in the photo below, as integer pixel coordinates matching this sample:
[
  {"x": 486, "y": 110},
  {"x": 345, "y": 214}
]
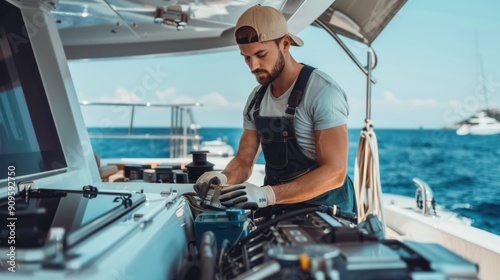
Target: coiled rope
[{"x": 367, "y": 186}]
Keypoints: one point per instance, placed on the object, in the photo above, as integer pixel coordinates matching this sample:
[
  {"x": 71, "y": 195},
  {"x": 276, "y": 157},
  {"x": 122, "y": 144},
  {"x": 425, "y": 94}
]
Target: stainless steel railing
[{"x": 183, "y": 128}]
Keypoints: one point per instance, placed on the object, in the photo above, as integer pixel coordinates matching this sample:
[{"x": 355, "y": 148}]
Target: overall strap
[
  {"x": 298, "y": 89},
  {"x": 256, "y": 102},
  {"x": 295, "y": 95}
]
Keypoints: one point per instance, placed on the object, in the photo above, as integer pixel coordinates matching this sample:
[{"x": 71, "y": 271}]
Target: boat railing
[{"x": 183, "y": 130}]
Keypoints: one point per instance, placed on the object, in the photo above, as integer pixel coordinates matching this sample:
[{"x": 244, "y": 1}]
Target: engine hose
[
  {"x": 274, "y": 221},
  {"x": 208, "y": 255}
]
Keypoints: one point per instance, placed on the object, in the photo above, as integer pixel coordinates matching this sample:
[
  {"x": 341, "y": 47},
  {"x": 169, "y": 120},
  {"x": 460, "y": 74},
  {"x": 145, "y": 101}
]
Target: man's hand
[
  {"x": 203, "y": 183},
  {"x": 247, "y": 196}
]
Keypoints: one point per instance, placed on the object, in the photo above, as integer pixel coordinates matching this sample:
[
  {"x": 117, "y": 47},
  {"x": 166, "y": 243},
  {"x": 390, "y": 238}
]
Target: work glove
[
  {"x": 203, "y": 183},
  {"x": 247, "y": 195}
]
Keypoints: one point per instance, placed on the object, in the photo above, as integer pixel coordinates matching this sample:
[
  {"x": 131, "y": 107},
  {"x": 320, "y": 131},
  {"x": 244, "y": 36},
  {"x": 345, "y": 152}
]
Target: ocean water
[{"x": 463, "y": 171}]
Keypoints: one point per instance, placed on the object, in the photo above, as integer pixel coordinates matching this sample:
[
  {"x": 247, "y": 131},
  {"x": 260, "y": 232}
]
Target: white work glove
[
  {"x": 247, "y": 195},
  {"x": 203, "y": 183}
]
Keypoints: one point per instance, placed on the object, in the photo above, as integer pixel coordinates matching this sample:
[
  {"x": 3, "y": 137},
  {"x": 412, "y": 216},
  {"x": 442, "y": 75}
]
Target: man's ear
[{"x": 286, "y": 41}]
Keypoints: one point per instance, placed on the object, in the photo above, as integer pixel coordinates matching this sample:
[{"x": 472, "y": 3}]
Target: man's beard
[{"x": 275, "y": 72}]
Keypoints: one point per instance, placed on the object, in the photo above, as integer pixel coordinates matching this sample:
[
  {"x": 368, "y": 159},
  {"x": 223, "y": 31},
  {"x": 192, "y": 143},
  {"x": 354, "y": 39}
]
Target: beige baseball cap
[{"x": 269, "y": 23}]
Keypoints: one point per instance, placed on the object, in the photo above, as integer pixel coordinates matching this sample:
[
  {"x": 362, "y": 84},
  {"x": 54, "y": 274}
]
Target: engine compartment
[{"x": 310, "y": 243}]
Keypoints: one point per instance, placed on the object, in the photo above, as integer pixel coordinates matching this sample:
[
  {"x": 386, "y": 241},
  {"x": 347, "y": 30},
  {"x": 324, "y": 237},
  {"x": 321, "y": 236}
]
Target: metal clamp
[{"x": 427, "y": 202}]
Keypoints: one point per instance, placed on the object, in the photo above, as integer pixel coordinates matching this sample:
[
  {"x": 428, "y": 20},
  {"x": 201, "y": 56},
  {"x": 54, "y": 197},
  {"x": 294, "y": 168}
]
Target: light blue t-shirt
[{"x": 324, "y": 105}]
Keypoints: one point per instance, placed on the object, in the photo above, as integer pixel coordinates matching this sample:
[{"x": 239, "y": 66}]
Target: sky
[{"x": 428, "y": 73}]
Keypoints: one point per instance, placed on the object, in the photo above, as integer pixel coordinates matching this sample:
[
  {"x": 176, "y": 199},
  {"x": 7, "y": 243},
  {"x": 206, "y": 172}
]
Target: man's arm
[
  {"x": 240, "y": 167},
  {"x": 331, "y": 150}
]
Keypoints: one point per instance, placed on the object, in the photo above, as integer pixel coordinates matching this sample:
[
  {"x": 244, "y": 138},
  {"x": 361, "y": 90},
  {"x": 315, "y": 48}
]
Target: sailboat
[
  {"x": 60, "y": 220},
  {"x": 479, "y": 124}
]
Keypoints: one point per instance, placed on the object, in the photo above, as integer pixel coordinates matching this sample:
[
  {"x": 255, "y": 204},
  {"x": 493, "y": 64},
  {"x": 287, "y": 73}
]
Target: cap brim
[{"x": 296, "y": 41}]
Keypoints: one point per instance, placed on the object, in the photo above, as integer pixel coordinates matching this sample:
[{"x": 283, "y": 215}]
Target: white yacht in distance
[
  {"x": 60, "y": 218},
  {"x": 479, "y": 124}
]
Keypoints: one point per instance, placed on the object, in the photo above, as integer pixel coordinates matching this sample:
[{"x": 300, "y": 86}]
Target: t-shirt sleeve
[{"x": 330, "y": 107}]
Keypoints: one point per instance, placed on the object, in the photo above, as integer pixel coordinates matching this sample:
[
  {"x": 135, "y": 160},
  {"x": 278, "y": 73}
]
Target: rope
[{"x": 367, "y": 186}]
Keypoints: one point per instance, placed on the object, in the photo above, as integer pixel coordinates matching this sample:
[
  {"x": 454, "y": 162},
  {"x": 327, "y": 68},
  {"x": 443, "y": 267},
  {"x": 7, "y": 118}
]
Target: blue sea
[{"x": 463, "y": 171}]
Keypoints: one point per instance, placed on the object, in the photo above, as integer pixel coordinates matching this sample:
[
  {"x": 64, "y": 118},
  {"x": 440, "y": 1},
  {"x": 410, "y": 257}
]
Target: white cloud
[
  {"x": 454, "y": 102},
  {"x": 121, "y": 95},
  {"x": 217, "y": 100},
  {"x": 390, "y": 98},
  {"x": 164, "y": 95},
  {"x": 214, "y": 98},
  {"x": 183, "y": 100},
  {"x": 423, "y": 102},
  {"x": 168, "y": 96}
]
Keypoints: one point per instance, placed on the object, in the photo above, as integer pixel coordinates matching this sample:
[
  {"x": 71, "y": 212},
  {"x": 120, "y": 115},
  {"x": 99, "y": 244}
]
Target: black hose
[
  {"x": 274, "y": 221},
  {"x": 208, "y": 255},
  {"x": 351, "y": 216}
]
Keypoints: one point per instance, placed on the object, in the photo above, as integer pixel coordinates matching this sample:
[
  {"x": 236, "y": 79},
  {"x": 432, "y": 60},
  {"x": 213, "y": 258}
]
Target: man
[{"x": 300, "y": 123}]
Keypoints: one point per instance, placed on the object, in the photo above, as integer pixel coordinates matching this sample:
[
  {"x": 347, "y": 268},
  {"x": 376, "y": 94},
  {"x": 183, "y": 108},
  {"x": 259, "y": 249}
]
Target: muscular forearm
[
  {"x": 237, "y": 171},
  {"x": 310, "y": 185},
  {"x": 240, "y": 167}
]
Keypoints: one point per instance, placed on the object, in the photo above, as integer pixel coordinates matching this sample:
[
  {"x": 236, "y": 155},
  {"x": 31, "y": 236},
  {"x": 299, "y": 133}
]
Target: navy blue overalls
[{"x": 284, "y": 159}]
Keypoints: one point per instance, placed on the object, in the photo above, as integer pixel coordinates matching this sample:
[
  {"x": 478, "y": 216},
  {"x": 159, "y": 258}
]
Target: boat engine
[{"x": 312, "y": 244}]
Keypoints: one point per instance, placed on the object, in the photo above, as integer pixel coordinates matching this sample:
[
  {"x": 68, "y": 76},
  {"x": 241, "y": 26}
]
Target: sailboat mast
[{"x": 482, "y": 77}]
